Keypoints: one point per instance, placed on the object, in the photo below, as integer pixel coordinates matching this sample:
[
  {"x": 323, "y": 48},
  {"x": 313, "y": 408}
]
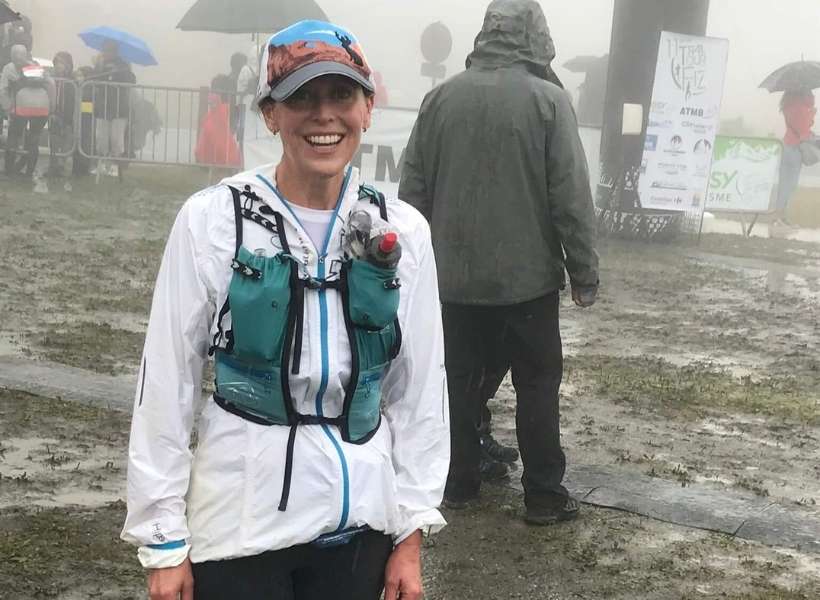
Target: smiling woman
[
  {"x": 321, "y": 125},
  {"x": 323, "y": 453}
]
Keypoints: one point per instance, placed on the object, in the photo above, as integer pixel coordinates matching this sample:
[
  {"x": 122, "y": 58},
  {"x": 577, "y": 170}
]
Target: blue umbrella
[{"x": 131, "y": 48}]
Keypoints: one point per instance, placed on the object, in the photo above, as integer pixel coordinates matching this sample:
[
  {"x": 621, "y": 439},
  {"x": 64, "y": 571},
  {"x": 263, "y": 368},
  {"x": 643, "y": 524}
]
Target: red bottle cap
[{"x": 388, "y": 242}]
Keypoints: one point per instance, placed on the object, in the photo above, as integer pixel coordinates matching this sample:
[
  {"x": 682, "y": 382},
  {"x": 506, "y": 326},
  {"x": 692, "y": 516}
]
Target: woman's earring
[{"x": 364, "y": 129}]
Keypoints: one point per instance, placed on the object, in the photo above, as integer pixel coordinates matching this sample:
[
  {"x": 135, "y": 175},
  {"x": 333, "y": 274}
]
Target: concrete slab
[
  {"x": 700, "y": 506},
  {"x": 68, "y": 383},
  {"x": 779, "y": 525}
]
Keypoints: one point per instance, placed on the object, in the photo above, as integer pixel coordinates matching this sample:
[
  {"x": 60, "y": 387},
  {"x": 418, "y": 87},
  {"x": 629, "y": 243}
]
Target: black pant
[
  {"x": 528, "y": 333},
  {"x": 494, "y": 374},
  {"x": 353, "y": 571},
  {"x": 17, "y": 127}
]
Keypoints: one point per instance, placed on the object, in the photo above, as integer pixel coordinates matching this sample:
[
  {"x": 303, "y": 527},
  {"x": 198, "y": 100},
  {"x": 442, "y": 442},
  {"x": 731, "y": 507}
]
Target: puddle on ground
[
  {"x": 25, "y": 455},
  {"x": 712, "y": 224},
  {"x": 717, "y": 429}
]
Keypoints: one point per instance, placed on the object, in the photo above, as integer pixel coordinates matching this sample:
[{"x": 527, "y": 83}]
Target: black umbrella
[
  {"x": 7, "y": 15},
  {"x": 804, "y": 74},
  {"x": 582, "y": 64},
  {"x": 248, "y": 16}
]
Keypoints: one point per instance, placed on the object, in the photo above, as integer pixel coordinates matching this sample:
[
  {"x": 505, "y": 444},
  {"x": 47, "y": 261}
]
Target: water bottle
[
  {"x": 357, "y": 234},
  {"x": 384, "y": 250}
]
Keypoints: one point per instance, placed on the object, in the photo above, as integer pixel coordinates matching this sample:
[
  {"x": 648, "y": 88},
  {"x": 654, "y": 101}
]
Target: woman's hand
[
  {"x": 402, "y": 576},
  {"x": 173, "y": 583}
]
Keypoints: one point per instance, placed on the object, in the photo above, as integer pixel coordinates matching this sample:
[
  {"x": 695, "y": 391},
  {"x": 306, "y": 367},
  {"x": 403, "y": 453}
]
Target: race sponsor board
[
  {"x": 744, "y": 174},
  {"x": 683, "y": 120}
]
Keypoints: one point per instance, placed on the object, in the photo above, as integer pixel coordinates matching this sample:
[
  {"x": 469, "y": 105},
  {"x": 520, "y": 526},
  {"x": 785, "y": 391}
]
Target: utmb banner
[
  {"x": 684, "y": 117},
  {"x": 379, "y": 158}
]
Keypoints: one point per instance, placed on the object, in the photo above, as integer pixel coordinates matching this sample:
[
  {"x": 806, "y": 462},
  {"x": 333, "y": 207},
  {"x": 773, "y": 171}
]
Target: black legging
[
  {"x": 17, "y": 127},
  {"x": 353, "y": 571}
]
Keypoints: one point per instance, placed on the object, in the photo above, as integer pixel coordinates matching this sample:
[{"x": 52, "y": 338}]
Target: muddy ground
[{"x": 699, "y": 364}]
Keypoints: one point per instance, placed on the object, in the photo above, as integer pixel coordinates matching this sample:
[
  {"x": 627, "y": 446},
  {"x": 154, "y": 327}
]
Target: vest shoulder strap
[
  {"x": 367, "y": 192},
  {"x": 243, "y": 203},
  {"x": 237, "y": 215}
]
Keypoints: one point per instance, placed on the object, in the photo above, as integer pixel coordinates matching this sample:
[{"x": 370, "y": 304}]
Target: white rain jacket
[{"x": 221, "y": 498}]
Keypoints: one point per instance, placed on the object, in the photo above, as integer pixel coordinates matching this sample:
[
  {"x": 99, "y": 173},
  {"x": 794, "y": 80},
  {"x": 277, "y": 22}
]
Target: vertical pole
[{"x": 633, "y": 52}]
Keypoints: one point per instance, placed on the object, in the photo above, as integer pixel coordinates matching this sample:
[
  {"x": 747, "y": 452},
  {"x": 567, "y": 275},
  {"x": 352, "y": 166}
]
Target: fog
[
  {"x": 690, "y": 391},
  {"x": 763, "y": 35}
]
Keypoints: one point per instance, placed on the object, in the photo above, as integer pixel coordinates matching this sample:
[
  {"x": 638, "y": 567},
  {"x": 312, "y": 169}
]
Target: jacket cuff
[
  {"x": 429, "y": 521},
  {"x": 576, "y": 284},
  {"x": 164, "y": 556}
]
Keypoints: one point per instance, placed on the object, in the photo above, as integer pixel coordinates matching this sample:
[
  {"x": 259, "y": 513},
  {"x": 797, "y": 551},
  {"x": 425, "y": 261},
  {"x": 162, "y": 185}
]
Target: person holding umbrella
[
  {"x": 111, "y": 102},
  {"x": 798, "y": 108},
  {"x": 322, "y": 455},
  {"x": 796, "y": 80}
]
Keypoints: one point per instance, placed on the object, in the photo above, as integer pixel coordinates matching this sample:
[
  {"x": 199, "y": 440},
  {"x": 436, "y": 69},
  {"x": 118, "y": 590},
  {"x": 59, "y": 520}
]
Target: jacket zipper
[{"x": 323, "y": 325}]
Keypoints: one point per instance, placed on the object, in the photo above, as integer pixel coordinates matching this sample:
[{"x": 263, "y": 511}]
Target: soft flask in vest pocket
[
  {"x": 249, "y": 373},
  {"x": 372, "y": 306},
  {"x": 260, "y": 300},
  {"x": 374, "y": 294}
]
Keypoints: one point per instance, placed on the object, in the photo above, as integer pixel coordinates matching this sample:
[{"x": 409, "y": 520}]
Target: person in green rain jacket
[{"x": 495, "y": 163}]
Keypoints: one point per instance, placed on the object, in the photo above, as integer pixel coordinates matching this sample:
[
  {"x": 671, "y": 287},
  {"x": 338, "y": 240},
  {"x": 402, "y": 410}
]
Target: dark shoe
[
  {"x": 455, "y": 501},
  {"x": 492, "y": 449},
  {"x": 549, "y": 515},
  {"x": 492, "y": 470}
]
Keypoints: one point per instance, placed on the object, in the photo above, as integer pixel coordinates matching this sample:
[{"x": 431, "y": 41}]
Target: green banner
[{"x": 744, "y": 174}]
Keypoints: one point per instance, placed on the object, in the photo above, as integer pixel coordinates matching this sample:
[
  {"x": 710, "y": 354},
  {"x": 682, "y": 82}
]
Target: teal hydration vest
[{"x": 264, "y": 343}]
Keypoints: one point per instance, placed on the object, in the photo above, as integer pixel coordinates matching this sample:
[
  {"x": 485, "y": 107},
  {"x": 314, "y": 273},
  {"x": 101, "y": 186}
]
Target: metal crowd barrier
[
  {"x": 159, "y": 125},
  {"x": 124, "y": 123},
  {"x": 64, "y": 122},
  {"x": 118, "y": 123}
]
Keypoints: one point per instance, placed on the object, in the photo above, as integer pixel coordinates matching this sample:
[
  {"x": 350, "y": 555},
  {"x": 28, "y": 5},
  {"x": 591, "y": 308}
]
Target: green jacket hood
[{"x": 515, "y": 32}]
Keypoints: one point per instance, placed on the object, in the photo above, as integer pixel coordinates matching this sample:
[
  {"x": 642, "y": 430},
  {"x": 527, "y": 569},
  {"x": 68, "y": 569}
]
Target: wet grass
[
  {"x": 774, "y": 595},
  {"x": 653, "y": 271},
  {"x": 81, "y": 266},
  {"x": 94, "y": 346},
  {"x": 487, "y": 553},
  {"x": 22, "y": 413},
  {"x": 50, "y": 552},
  {"x": 66, "y": 552},
  {"x": 781, "y": 251},
  {"x": 694, "y": 390},
  {"x": 753, "y": 484}
]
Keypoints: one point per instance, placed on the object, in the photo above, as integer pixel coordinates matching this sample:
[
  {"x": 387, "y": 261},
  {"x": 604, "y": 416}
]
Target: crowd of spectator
[{"x": 42, "y": 103}]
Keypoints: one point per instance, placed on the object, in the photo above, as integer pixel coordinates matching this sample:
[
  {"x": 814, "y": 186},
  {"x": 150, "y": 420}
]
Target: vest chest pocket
[
  {"x": 249, "y": 373},
  {"x": 259, "y": 306},
  {"x": 365, "y": 410},
  {"x": 256, "y": 390},
  {"x": 374, "y": 350},
  {"x": 374, "y": 294}
]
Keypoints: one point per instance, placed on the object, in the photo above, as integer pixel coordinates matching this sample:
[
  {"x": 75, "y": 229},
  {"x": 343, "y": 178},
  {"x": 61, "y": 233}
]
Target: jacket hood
[
  {"x": 514, "y": 32},
  {"x": 260, "y": 178},
  {"x": 250, "y": 177},
  {"x": 67, "y": 59}
]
